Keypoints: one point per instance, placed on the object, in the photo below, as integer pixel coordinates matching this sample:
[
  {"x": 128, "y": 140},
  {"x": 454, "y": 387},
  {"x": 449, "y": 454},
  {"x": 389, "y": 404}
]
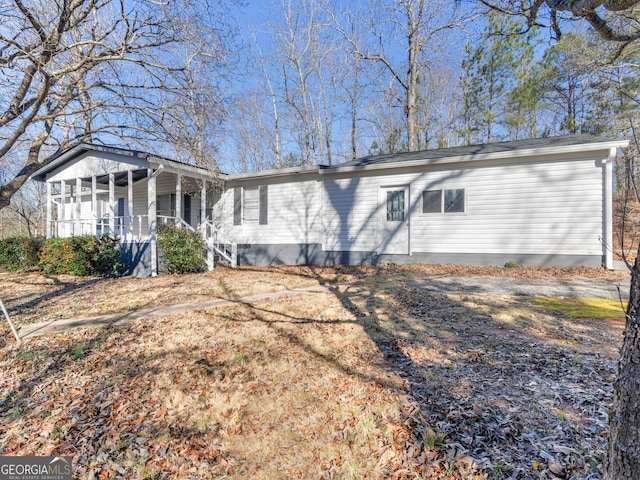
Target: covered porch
[{"x": 93, "y": 190}]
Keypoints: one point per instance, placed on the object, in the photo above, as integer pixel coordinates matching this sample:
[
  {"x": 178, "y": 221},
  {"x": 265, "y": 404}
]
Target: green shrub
[
  {"x": 104, "y": 254},
  {"x": 19, "y": 253},
  {"x": 86, "y": 255},
  {"x": 61, "y": 255},
  {"x": 181, "y": 249}
]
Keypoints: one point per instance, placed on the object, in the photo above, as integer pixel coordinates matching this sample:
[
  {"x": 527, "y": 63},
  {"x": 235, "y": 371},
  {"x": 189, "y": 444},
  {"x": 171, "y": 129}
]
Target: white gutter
[
  {"x": 181, "y": 168},
  {"x": 281, "y": 172},
  {"x": 157, "y": 171}
]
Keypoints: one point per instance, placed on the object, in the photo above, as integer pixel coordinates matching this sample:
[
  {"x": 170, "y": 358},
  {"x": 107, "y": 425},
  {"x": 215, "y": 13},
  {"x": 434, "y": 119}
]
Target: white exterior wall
[
  {"x": 68, "y": 228},
  {"x": 529, "y": 207},
  {"x": 552, "y": 205},
  {"x": 293, "y": 214},
  {"x": 87, "y": 165},
  {"x": 350, "y": 211}
]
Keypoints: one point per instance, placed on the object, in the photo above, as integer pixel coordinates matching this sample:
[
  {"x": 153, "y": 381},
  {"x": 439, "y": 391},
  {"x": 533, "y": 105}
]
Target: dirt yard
[{"x": 373, "y": 378}]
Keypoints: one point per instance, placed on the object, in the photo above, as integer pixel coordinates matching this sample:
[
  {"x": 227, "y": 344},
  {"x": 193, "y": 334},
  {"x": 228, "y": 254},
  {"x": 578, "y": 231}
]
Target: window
[
  {"x": 167, "y": 205},
  {"x": 432, "y": 201},
  {"x": 250, "y": 205},
  {"x": 454, "y": 201},
  {"x": 443, "y": 201},
  {"x": 395, "y": 205}
]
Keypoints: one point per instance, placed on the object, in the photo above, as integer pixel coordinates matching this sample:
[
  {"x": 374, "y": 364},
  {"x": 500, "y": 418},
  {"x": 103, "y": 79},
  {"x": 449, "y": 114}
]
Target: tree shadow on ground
[
  {"x": 480, "y": 392},
  {"x": 486, "y": 394},
  {"x": 62, "y": 288}
]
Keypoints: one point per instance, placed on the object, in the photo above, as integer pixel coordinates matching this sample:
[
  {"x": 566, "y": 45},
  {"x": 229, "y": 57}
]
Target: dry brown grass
[
  {"x": 374, "y": 378},
  {"x": 32, "y": 297}
]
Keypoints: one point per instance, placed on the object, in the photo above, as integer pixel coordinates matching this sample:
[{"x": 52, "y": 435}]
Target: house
[{"x": 533, "y": 202}]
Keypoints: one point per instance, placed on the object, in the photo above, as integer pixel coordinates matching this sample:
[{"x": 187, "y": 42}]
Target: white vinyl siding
[
  {"x": 293, "y": 215},
  {"x": 544, "y": 205},
  {"x": 350, "y": 213},
  {"x": 88, "y": 165},
  {"x": 535, "y": 207},
  {"x": 547, "y": 208}
]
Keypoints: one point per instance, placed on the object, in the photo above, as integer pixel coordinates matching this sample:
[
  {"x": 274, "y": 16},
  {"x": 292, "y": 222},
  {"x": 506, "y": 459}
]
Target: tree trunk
[{"x": 623, "y": 453}]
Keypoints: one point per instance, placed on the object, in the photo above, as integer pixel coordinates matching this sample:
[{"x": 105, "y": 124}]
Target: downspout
[
  {"x": 608, "y": 208},
  {"x": 157, "y": 170}
]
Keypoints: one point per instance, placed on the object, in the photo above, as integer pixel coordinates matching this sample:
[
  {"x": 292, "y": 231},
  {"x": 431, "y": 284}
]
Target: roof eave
[
  {"x": 519, "y": 153},
  {"x": 40, "y": 175},
  {"x": 283, "y": 172},
  {"x": 182, "y": 168}
]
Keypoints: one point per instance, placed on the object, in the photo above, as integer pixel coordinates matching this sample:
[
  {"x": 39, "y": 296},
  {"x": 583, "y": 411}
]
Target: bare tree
[
  {"x": 77, "y": 70},
  {"x": 418, "y": 25},
  {"x": 29, "y": 208},
  {"x": 618, "y": 24},
  {"x": 305, "y": 55}
]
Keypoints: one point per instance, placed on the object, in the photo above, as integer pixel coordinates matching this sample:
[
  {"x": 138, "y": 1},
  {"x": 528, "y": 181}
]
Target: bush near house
[
  {"x": 86, "y": 255},
  {"x": 181, "y": 249},
  {"x": 19, "y": 253}
]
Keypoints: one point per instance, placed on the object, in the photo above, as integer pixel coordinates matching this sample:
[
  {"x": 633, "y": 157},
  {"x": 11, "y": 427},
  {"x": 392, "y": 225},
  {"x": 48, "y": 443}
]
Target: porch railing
[
  {"x": 177, "y": 221},
  {"x": 128, "y": 228},
  {"x": 136, "y": 228},
  {"x": 218, "y": 245}
]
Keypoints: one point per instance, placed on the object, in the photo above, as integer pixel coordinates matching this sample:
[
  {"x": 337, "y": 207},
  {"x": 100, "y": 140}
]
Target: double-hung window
[
  {"x": 443, "y": 201},
  {"x": 250, "y": 205}
]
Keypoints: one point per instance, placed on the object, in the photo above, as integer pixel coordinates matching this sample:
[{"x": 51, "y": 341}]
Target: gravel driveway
[{"x": 497, "y": 285}]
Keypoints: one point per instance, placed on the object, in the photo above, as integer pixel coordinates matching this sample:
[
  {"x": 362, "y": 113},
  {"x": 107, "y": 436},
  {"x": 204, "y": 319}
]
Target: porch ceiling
[{"x": 121, "y": 179}]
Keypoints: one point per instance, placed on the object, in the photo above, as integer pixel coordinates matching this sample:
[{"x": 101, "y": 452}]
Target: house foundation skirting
[
  {"x": 312, "y": 254},
  {"x": 136, "y": 258}
]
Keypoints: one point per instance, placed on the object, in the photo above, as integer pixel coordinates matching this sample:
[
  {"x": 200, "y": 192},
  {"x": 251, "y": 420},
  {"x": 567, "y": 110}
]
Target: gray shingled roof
[
  {"x": 485, "y": 149},
  {"x": 61, "y": 158}
]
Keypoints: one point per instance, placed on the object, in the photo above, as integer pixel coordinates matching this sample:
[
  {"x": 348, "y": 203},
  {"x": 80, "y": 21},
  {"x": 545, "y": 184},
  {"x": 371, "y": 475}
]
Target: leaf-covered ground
[
  {"x": 32, "y": 297},
  {"x": 374, "y": 378}
]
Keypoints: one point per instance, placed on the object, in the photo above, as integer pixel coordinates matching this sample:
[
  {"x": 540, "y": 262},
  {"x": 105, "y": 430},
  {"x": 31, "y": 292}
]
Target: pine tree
[{"x": 499, "y": 87}]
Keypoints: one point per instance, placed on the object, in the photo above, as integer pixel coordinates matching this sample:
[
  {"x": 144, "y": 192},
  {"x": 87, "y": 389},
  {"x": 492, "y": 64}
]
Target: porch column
[
  {"x": 78, "y": 229},
  {"x": 179, "y": 197},
  {"x": 63, "y": 200},
  {"x": 112, "y": 201},
  {"x": 130, "y": 203},
  {"x": 94, "y": 203},
  {"x": 203, "y": 203},
  {"x": 152, "y": 212},
  {"x": 48, "y": 229}
]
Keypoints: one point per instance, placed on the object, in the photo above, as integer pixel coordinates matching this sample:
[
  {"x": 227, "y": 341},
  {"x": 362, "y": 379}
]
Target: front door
[
  {"x": 393, "y": 224},
  {"x": 186, "y": 208}
]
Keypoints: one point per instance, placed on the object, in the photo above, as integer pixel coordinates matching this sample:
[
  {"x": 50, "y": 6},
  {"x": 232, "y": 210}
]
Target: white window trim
[
  {"x": 442, "y": 212},
  {"x": 256, "y": 220}
]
